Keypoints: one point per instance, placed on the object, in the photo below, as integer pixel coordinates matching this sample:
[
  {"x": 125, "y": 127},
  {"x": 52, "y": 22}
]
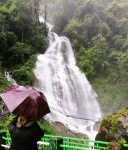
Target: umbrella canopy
[{"x": 26, "y": 101}]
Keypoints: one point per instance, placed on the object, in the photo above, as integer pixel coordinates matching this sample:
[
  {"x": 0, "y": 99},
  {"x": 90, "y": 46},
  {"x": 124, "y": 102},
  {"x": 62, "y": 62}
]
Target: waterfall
[
  {"x": 70, "y": 96},
  {"x": 9, "y": 78}
]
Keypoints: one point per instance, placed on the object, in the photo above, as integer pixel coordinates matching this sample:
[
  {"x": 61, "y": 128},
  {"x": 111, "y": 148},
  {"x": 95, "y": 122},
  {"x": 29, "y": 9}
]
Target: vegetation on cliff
[
  {"x": 114, "y": 128},
  {"x": 98, "y": 31},
  {"x": 22, "y": 36}
]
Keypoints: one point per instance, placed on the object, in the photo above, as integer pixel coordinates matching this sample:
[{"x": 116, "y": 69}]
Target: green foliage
[
  {"x": 122, "y": 141},
  {"x": 98, "y": 28},
  {"x": 93, "y": 60},
  {"x": 40, "y": 43},
  {"x": 11, "y": 38},
  {"x": 25, "y": 75},
  {"x": 85, "y": 62},
  {"x": 118, "y": 42},
  {"x": 112, "y": 94},
  {"x": 99, "y": 51},
  {"x": 8, "y": 117},
  {"x": 72, "y": 29},
  {"x": 98, "y": 31},
  {"x": 4, "y": 84},
  {"x": 17, "y": 54},
  {"x": 125, "y": 46},
  {"x": 60, "y": 22},
  {"x": 120, "y": 59},
  {"x": 111, "y": 122},
  {"x": 45, "y": 126},
  {"x": 20, "y": 34},
  {"x": 105, "y": 30}
]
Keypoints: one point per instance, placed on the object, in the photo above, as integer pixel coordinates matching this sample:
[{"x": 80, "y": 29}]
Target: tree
[
  {"x": 93, "y": 60},
  {"x": 125, "y": 46},
  {"x": 105, "y": 30},
  {"x": 47, "y": 10},
  {"x": 17, "y": 54},
  {"x": 69, "y": 9},
  {"x": 87, "y": 8},
  {"x": 22, "y": 19},
  {"x": 118, "y": 42},
  {"x": 25, "y": 75},
  {"x": 120, "y": 60},
  {"x": 111, "y": 20},
  {"x": 99, "y": 50},
  {"x": 7, "y": 38},
  {"x": 85, "y": 62},
  {"x": 122, "y": 26},
  {"x": 72, "y": 30},
  {"x": 60, "y": 22},
  {"x": 91, "y": 26},
  {"x": 18, "y": 34}
]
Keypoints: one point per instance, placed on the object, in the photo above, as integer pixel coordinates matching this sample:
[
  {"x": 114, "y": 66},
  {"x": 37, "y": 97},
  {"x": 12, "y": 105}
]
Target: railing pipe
[{"x": 68, "y": 143}]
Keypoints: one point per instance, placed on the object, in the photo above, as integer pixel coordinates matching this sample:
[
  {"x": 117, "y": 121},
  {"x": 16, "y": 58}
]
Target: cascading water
[
  {"x": 70, "y": 96},
  {"x": 9, "y": 78}
]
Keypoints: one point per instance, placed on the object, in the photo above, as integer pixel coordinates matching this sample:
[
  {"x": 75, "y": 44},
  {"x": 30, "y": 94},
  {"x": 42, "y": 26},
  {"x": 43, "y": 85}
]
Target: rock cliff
[{"x": 114, "y": 128}]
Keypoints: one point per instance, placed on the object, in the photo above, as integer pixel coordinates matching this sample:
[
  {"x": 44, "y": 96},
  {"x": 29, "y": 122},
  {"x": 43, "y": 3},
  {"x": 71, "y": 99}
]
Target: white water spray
[
  {"x": 70, "y": 96},
  {"x": 9, "y": 78}
]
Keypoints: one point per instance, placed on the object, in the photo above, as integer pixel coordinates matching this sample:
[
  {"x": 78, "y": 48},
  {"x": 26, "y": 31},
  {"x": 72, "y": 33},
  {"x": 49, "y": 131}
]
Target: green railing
[
  {"x": 51, "y": 142},
  {"x": 69, "y": 143}
]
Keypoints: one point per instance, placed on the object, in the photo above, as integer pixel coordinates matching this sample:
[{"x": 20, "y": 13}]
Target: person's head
[{"x": 21, "y": 121}]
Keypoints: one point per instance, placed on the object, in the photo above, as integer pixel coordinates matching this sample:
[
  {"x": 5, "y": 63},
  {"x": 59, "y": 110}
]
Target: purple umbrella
[{"x": 26, "y": 101}]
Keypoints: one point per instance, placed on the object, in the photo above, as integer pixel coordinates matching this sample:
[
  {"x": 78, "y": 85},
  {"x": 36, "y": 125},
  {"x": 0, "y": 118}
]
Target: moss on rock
[{"x": 114, "y": 128}]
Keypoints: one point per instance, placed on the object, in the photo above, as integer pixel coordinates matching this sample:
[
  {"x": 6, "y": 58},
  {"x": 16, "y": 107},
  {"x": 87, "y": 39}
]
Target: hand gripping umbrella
[{"x": 26, "y": 101}]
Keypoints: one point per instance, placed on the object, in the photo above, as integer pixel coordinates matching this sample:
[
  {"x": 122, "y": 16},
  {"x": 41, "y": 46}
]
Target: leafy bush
[
  {"x": 7, "y": 118},
  {"x": 45, "y": 126},
  {"x": 4, "y": 84},
  {"x": 18, "y": 54},
  {"x": 25, "y": 75}
]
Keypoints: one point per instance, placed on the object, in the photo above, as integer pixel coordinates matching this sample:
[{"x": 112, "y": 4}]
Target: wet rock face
[
  {"x": 64, "y": 131},
  {"x": 114, "y": 128},
  {"x": 96, "y": 126}
]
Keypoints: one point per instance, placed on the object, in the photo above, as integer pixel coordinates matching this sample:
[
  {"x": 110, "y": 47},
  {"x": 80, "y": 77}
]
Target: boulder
[
  {"x": 113, "y": 146},
  {"x": 114, "y": 128}
]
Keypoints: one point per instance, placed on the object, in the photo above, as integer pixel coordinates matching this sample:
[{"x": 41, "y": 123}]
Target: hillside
[{"x": 98, "y": 31}]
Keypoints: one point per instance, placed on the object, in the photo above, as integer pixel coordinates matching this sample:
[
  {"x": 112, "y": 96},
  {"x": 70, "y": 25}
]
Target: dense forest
[
  {"x": 97, "y": 29},
  {"x": 21, "y": 37}
]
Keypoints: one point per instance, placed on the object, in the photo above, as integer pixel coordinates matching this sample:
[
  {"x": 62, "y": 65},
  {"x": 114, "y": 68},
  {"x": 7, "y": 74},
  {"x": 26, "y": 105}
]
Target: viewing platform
[{"x": 51, "y": 142}]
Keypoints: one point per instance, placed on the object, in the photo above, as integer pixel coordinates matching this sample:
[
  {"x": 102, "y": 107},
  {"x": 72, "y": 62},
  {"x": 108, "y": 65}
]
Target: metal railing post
[
  {"x": 55, "y": 142},
  {"x": 2, "y": 141}
]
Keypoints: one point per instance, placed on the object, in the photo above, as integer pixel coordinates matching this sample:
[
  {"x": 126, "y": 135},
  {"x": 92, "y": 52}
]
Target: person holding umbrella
[
  {"x": 29, "y": 105},
  {"x": 24, "y": 134}
]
